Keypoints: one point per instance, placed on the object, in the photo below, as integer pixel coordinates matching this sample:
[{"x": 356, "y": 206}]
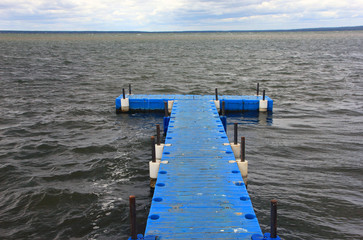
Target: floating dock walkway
[
  {"x": 142, "y": 102},
  {"x": 199, "y": 192}
]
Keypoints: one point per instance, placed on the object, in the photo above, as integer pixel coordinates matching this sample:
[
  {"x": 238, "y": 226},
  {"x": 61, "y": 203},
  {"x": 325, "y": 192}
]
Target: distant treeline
[{"x": 354, "y": 28}]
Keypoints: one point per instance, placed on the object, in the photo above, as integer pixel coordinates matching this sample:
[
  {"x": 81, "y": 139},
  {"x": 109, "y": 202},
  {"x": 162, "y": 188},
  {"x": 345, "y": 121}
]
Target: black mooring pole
[
  {"x": 166, "y": 109},
  {"x": 243, "y": 155},
  {"x": 235, "y": 133},
  {"x": 223, "y": 108},
  {"x": 133, "y": 217},
  {"x": 129, "y": 89},
  {"x": 263, "y": 95},
  {"x": 216, "y": 94},
  {"x": 157, "y": 134},
  {"x": 123, "y": 93},
  {"x": 273, "y": 222},
  {"x": 153, "y": 154}
]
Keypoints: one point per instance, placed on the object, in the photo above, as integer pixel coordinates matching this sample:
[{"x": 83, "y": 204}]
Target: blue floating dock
[
  {"x": 199, "y": 192},
  {"x": 156, "y": 102}
]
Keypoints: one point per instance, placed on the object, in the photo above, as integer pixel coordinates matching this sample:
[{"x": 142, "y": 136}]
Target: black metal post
[
  {"x": 258, "y": 88},
  {"x": 243, "y": 155},
  {"x": 157, "y": 134},
  {"x": 166, "y": 109},
  {"x": 153, "y": 154},
  {"x": 216, "y": 94},
  {"x": 263, "y": 95},
  {"x": 235, "y": 133},
  {"x": 273, "y": 222},
  {"x": 133, "y": 217},
  {"x": 123, "y": 93},
  {"x": 223, "y": 108},
  {"x": 130, "y": 89}
]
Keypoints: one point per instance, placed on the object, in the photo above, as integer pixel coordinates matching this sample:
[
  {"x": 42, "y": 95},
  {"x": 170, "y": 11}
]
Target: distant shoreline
[{"x": 353, "y": 28}]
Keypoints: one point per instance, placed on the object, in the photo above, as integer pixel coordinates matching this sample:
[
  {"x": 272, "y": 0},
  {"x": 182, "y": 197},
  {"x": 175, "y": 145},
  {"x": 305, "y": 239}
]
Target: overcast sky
[{"x": 177, "y": 15}]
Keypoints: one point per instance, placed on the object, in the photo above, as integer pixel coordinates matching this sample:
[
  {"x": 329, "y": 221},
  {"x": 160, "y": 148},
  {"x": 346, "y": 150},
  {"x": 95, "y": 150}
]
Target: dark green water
[{"x": 68, "y": 163}]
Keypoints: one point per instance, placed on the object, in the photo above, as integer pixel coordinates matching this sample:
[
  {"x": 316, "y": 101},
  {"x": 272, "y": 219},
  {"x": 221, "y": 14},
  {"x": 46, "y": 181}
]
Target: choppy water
[{"x": 68, "y": 163}]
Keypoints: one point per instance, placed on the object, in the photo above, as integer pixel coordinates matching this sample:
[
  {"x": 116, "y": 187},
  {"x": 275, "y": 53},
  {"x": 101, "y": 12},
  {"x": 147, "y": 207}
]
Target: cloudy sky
[{"x": 177, "y": 15}]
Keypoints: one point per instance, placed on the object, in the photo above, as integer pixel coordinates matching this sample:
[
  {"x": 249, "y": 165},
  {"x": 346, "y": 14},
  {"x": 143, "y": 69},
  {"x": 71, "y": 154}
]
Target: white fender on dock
[
  {"x": 263, "y": 105},
  {"x": 154, "y": 169},
  {"x": 243, "y": 168},
  {"x": 236, "y": 148},
  {"x": 159, "y": 151},
  {"x": 217, "y": 103},
  {"x": 125, "y": 106},
  {"x": 170, "y": 105}
]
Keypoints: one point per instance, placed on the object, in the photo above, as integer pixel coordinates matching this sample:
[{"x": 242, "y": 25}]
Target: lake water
[{"x": 68, "y": 163}]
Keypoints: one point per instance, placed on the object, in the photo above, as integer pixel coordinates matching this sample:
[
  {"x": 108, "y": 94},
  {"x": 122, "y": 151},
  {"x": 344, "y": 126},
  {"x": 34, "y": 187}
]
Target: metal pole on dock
[
  {"x": 157, "y": 134},
  {"x": 216, "y": 93},
  {"x": 123, "y": 93},
  {"x": 153, "y": 154},
  {"x": 263, "y": 95},
  {"x": 273, "y": 223},
  {"x": 129, "y": 89},
  {"x": 223, "y": 108},
  {"x": 258, "y": 88},
  {"x": 166, "y": 109},
  {"x": 235, "y": 133},
  {"x": 243, "y": 155},
  {"x": 132, "y": 203}
]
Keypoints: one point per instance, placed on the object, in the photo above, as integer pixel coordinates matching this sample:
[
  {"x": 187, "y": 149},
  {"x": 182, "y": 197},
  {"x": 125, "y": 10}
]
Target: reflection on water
[{"x": 250, "y": 117}]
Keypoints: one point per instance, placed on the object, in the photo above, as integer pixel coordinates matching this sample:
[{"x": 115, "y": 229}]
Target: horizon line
[{"x": 346, "y": 28}]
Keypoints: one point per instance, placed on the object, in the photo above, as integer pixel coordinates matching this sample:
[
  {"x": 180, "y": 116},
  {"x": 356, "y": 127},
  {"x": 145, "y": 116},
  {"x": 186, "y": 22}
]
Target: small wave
[
  {"x": 94, "y": 149},
  {"x": 94, "y": 172},
  {"x": 61, "y": 209}
]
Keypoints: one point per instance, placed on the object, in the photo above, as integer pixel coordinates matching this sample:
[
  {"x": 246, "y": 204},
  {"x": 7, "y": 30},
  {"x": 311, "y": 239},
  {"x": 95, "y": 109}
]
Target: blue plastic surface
[
  {"x": 267, "y": 236},
  {"x": 142, "y": 237},
  {"x": 224, "y": 122},
  {"x": 156, "y": 102},
  {"x": 200, "y": 192},
  {"x": 166, "y": 123}
]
